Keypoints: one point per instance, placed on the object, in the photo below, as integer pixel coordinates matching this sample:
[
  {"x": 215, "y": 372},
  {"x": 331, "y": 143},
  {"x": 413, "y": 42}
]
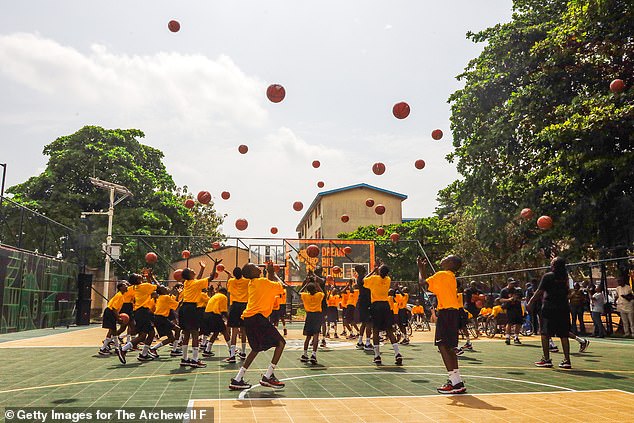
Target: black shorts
[
  {"x": 214, "y": 323},
  {"x": 362, "y": 313},
  {"x": 163, "y": 326},
  {"x": 348, "y": 314},
  {"x": 275, "y": 316},
  {"x": 312, "y": 324},
  {"x": 261, "y": 334},
  {"x": 382, "y": 315},
  {"x": 403, "y": 316},
  {"x": 514, "y": 315},
  {"x": 282, "y": 310},
  {"x": 188, "y": 317},
  {"x": 471, "y": 308},
  {"x": 447, "y": 327},
  {"x": 333, "y": 314},
  {"x": 555, "y": 322},
  {"x": 128, "y": 309},
  {"x": 143, "y": 320},
  {"x": 172, "y": 316},
  {"x": 235, "y": 314},
  {"x": 109, "y": 321}
]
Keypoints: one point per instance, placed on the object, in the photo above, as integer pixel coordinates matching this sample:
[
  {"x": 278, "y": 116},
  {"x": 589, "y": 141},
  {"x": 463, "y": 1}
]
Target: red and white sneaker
[
  {"x": 449, "y": 388},
  {"x": 271, "y": 382},
  {"x": 544, "y": 362}
]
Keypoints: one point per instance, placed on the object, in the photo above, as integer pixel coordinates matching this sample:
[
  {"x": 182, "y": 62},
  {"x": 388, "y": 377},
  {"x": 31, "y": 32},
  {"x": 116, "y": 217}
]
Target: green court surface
[{"x": 77, "y": 377}]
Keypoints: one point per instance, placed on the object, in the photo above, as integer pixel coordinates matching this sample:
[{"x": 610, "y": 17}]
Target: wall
[{"x": 35, "y": 291}]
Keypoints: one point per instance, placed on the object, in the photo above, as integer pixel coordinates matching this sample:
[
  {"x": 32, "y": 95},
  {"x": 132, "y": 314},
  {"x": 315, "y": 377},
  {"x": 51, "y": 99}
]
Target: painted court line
[{"x": 242, "y": 394}]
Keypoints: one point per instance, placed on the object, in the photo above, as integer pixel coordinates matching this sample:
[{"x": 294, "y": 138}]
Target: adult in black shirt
[
  {"x": 470, "y": 297},
  {"x": 511, "y": 300}
]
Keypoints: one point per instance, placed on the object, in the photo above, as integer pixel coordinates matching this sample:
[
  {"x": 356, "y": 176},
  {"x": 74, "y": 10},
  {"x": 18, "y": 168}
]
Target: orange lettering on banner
[{"x": 327, "y": 262}]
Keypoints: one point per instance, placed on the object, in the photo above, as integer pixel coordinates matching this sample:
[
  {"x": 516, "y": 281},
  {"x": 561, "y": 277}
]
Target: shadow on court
[
  {"x": 590, "y": 373},
  {"x": 468, "y": 401},
  {"x": 261, "y": 400}
]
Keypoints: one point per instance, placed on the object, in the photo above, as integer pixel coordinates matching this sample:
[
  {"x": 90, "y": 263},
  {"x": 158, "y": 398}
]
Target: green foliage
[{"x": 63, "y": 191}]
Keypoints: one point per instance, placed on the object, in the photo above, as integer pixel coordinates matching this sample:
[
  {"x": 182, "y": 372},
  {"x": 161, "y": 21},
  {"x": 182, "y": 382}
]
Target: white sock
[
  {"x": 180, "y": 339},
  {"x": 157, "y": 346},
  {"x": 146, "y": 348},
  {"x": 376, "y": 351},
  {"x": 306, "y": 353},
  {"x": 315, "y": 353},
  {"x": 105, "y": 343},
  {"x": 208, "y": 347},
  {"x": 360, "y": 340},
  {"x": 454, "y": 377},
  {"x": 579, "y": 340},
  {"x": 128, "y": 337},
  {"x": 395, "y": 346},
  {"x": 195, "y": 355},
  {"x": 508, "y": 336},
  {"x": 269, "y": 371},
  {"x": 127, "y": 347},
  {"x": 241, "y": 373},
  {"x": 551, "y": 344},
  {"x": 185, "y": 351},
  {"x": 204, "y": 340},
  {"x": 367, "y": 341},
  {"x": 116, "y": 341},
  {"x": 244, "y": 348},
  {"x": 232, "y": 351}
]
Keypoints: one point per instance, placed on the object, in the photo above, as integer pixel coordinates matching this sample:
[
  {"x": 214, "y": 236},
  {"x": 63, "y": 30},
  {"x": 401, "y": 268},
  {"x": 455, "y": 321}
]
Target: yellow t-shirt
[
  {"x": 192, "y": 289},
  {"x": 276, "y": 303},
  {"x": 418, "y": 309},
  {"x": 393, "y": 304},
  {"x": 283, "y": 297},
  {"x": 497, "y": 310},
  {"x": 116, "y": 302},
  {"x": 202, "y": 300},
  {"x": 378, "y": 287},
  {"x": 262, "y": 293},
  {"x": 354, "y": 297},
  {"x": 238, "y": 290},
  {"x": 401, "y": 300},
  {"x": 128, "y": 296},
  {"x": 443, "y": 284},
  {"x": 333, "y": 300},
  {"x": 484, "y": 311},
  {"x": 164, "y": 304},
  {"x": 143, "y": 295},
  {"x": 217, "y": 304},
  {"x": 344, "y": 299},
  {"x": 312, "y": 303}
]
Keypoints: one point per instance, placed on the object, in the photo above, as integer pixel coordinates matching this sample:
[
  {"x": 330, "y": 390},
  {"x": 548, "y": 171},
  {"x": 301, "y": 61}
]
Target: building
[{"x": 323, "y": 219}]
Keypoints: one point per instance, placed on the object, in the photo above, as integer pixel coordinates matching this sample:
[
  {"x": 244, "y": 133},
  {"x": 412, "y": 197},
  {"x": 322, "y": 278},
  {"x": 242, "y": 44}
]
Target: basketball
[
  {"x": 220, "y": 267},
  {"x": 316, "y": 164},
  {"x": 276, "y": 268},
  {"x": 189, "y": 203},
  {"x": 320, "y": 184},
  {"x": 243, "y": 149},
  {"x": 379, "y": 209},
  {"x": 273, "y": 230},
  {"x": 369, "y": 202},
  {"x": 526, "y": 214},
  {"x": 186, "y": 254},
  {"x": 479, "y": 304},
  {"x": 378, "y": 168},
  {"x": 275, "y": 93},
  {"x": 436, "y": 134},
  {"x": 336, "y": 270},
  {"x": 617, "y": 86},
  {"x": 395, "y": 237},
  {"x": 401, "y": 110},
  {"x": 312, "y": 251},
  {"x": 225, "y": 195},
  {"x": 545, "y": 222},
  {"x": 151, "y": 258},
  {"x": 178, "y": 274},
  {"x": 241, "y": 224},
  {"x": 215, "y": 245},
  {"x": 347, "y": 250},
  {"x": 174, "y": 26},
  {"x": 380, "y": 231},
  {"x": 204, "y": 197},
  {"x": 345, "y": 218},
  {"x": 298, "y": 206},
  {"x": 419, "y": 164},
  {"x": 124, "y": 318}
]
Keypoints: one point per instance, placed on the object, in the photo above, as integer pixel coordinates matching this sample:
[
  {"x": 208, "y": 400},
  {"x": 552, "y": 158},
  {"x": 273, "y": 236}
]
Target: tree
[
  {"x": 63, "y": 191},
  {"x": 536, "y": 126}
]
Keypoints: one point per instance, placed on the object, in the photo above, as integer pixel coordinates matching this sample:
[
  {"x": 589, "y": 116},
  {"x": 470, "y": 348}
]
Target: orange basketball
[
  {"x": 220, "y": 267},
  {"x": 276, "y": 268},
  {"x": 186, "y": 254},
  {"x": 225, "y": 195},
  {"x": 401, "y": 110},
  {"x": 345, "y": 218},
  {"x": 479, "y": 304},
  {"x": 369, "y": 202},
  {"x": 174, "y": 26},
  {"x": 316, "y": 164},
  {"x": 545, "y": 222},
  {"x": 379, "y": 209},
  {"x": 215, "y": 245},
  {"x": 178, "y": 274},
  {"x": 189, "y": 203},
  {"x": 312, "y": 250},
  {"x": 124, "y": 318},
  {"x": 347, "y": 250},
  {"x": 241, "y": 224},
  {"x": 378, "y": 168},
  {"x": 204, "y": 197},
  {"x": 275, "y": 93},
  {"x": 336, "y": 270},
  {"x": 395, "y": 237},
  {"x": 436, "y": 134},
  {"x": 298, "y": 206},
  {"x": 151, "y": 258},
  {"x": 380, "y": 231},
  {"x": 273, "y": 230},
  {"x": 617, "y": 86},
  {"x": 320, "y": 184},
  {"x": 419, "y": 164},
  {"x": 243, "y": 149},
  {"x": 526, "y": 214}
]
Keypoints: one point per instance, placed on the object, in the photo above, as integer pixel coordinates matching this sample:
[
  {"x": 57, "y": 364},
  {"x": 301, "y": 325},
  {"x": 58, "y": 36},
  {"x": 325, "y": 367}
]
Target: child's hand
[{"x": 202, "y": 264}]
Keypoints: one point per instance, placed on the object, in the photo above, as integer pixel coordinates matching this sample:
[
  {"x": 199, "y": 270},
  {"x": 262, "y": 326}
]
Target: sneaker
[
  {"x": 448, "y": 388},
  {"x": 303, "y": 359},
  {"x": 176, "y": 353},
  {"x": 398, "y": 359},
  {"x": 404, "y": 342},
  {"x": 121, "y": 354},
  {"x": 235, "y": 385},
  {"x": 368, "y": 347},
  {"x": 377, "y": 359},
  {"x": 104, "y": 351},
  {"x": 517, "y": 341},
  {"x": 344, "y": 333},
  {"x": 231, "y": 359},
  {"x": 285, "y": 332},
  {"x": 146, "y": 357},
  {"x": 328, "y": 335},
  {"x": 271, "y": 382},
  {"x": 458, "y": 351},
  {"x": 508, "y": 341},
  {"x": 208, "y": 354},
  {"x": 565, "y": 364},
  {"x": 197, "y": 364},
  {"x": 467, "y": 347},
  {"x": 544, "y": 363},
  {"x": 336, "y": 336},
  {"x": 323, "y": 343},
  {"x": 583, "y": 346},
  {"x": 553, "y": 349},
  {"x": 313, "y": 359},
  {"x": 184, "y": 363},
  {"x": 360, "y": 345},
  {"x": 242, "y": 355}
]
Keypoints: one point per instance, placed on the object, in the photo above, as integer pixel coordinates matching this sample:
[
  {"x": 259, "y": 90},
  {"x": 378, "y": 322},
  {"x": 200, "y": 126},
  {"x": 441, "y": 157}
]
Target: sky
[{"x": 201, "y": 92}]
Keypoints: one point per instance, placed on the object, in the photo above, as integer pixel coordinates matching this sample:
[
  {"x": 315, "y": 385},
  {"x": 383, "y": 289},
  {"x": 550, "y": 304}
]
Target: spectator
[
  {"x": 625, "y": 306},
  {"x": 577, "y": 300},
  {"x": 511, "y": 300},
  {"x": 597, "y": 308},
  {"x": 534, "y": 311}
]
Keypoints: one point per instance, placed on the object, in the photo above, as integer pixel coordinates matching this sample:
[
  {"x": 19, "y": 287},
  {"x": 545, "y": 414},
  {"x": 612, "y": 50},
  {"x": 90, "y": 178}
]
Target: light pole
[{"x": 124, "y": 193}]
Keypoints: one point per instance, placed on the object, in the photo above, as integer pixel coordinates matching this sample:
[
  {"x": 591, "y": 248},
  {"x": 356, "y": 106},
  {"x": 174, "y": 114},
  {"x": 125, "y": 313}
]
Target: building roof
[{"x": 348, "y": 188}]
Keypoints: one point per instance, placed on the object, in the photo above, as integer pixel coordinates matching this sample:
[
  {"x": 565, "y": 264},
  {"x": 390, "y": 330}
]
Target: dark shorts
[
  {"x": 471, "y": 308},
  {"x": 312, "y": 324},
  {"x": 362, "y": 313},
  {"x": 261, "y": 334},
  {"x": 514, "y": 315},
  {"x": 235, "y": 314},
  {"x": 163, "y": 326},
  {"x": 447, "y": 327},
  {"x": 214, "y": 323},
  {"x": 282, "y": 310},
  {"x": 555, "y": 323},
  {"x": 188, "y": 317},
  {"x": 172, "y": 316},
  {"x": 275, "y": 316},
  {"x": 333, "y": 314},
  {"x": 403, "y": 316},
  {"x": 382, "y": 315},
  {"x": 143, "y": 320},
  {"x": 128, "y": 309},
  {"x": 109, "y": 320},
  {"x": 348, "y": 314}
]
